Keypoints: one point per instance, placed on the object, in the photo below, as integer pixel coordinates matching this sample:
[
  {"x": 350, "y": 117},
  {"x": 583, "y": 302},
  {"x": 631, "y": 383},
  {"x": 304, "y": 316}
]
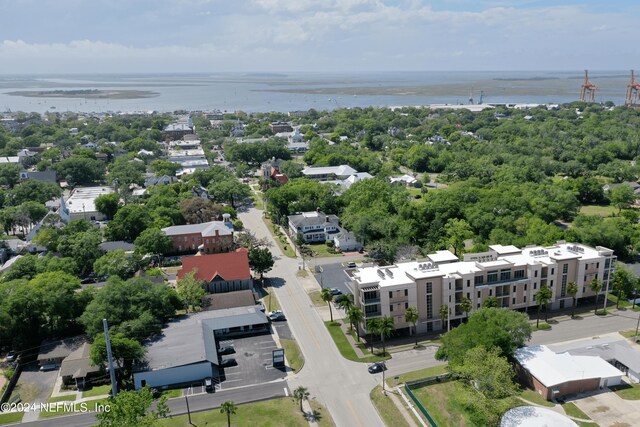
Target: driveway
[
  {"x": 35, "y": 386},
  {"x": 608, "y": 409}
]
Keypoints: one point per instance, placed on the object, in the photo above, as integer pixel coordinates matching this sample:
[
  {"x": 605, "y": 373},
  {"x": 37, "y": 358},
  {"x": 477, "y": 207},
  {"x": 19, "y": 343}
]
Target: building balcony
[
  {"x": 503, "y": 282},
  {"x": 372, "y": 315},
  {"x": 370, "y": 301}
]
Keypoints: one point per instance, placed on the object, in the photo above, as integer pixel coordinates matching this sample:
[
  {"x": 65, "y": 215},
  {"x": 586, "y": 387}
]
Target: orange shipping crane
[
  {"x": 588, "y": 89},
  {"x": 633, "y": 93}
]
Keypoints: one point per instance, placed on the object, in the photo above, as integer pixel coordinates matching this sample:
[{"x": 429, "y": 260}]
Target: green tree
[
  {"x": 196, "y": 210},
  {"x": 229, "y": 408},
  {"x": 126, "y": 352},
  {"x": 301, "y": 394},
  {"x": 327, "y": 297},
  {"x": 386, "y": 328},
  {"x": 31, "y": 190},
  {"x": 128, "y": 223},
  {"x": 153, "y": 241},
  {"x": 131, "y": 409},
  {"x": 190, "y": 291},
  {"x": 596, "y": 286},
  {"x": 466, "y": 306},
  {"x": 444, "y": 315},
  {"x": 457, "y": 231},
  {"x": 622, "y": 197},
  {"x": 506, "y": 330},
  {"x": 542, "y": 298},
  {"x": 622, "y": 284},
  {"x": 373, "y": 328},
  {"x": 80, "y": 170},
  {"x": 83, "y": 247},
  {"x": 108, "y": 204},
  {"x": 164, "y": 167},
  {"x": 490, "y": 302},
  {"x": 116, "y": 263},
  {"x": 411, "y": 316},
  {"x": 9, "y": 174},
  {"x": 345, "y": 301},
  {"x": 572, "y": 290},
  {"x": 229, "y": 191},
  {"x": 261, "y": 260},
  {"x": 487, "y": 371},
  {"x": 355, "y": 317}
]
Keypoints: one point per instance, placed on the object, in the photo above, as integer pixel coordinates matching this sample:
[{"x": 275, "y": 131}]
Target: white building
[{"x": 82, "y": 204}]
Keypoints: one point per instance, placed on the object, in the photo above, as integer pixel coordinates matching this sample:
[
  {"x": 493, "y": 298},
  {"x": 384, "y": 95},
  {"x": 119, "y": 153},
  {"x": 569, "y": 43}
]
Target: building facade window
[
  {"x": 565, "y": 268},
  {"x": 429, "y": 306},
  {"x": 478, "y": 280},
  {"x": 518, "y": 274}
]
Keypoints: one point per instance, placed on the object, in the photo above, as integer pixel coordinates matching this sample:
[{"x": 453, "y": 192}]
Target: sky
[{"x": 143, "y": 36}]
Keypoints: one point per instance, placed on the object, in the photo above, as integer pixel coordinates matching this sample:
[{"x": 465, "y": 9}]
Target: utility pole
[
  {"x": 188, "y": 411},
  {"x": 637, "y": 326},
  {"x": 112, "y": 372}
]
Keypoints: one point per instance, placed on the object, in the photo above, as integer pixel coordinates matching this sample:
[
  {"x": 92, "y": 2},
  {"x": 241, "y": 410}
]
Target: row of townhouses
[{"x": 510, "y": 274}]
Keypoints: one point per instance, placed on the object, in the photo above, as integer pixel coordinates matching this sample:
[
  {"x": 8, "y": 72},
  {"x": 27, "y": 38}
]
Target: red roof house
[{"x": 224, "y": 272}]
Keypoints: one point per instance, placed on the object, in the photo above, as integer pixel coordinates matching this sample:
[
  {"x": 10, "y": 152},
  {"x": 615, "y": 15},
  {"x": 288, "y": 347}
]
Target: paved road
[
  {"x": 178, "y": 406},
  {"x": 341, "y": 385}
]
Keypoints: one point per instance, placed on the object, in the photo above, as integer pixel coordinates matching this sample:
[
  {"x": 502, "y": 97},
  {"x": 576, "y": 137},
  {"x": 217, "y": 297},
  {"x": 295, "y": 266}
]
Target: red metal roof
[{"x": 229, "y": 266}]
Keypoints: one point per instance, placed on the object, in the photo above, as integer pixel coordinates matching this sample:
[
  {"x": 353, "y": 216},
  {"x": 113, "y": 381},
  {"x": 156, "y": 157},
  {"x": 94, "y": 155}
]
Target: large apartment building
[{"x": 510, "y": 274}]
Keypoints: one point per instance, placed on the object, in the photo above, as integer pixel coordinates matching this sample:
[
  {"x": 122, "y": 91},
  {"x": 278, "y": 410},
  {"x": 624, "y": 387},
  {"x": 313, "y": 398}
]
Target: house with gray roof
[
  {"x": 317, "y": 227},
  {"x": 160, "y": 180},
  {"x": 77, "y": 367},
  {"x": 327, "y": 173},
  {"x": 186, "y": 350},
  {"x": 44, "y": 176}
]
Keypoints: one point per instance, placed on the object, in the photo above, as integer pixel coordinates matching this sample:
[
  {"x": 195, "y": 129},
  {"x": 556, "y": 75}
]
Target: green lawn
[
  {"x": 543, "y": 326},
  {"x": 316, "y": 298},
  {"x": 270, "y": 299},
  {"x": 603, "y": 211},
  {"x": 387, "y": 409},
  {"x": 345, "y": 347},
  {"x": 62, "y": 398},
  {"x": 451, "y": 404},
  {"x": 293, "y": 354},
  {"x": 573, "y": 411},
  {"x": 628, "y": 334},
  {"x": 269, "y": 413},
  {"x": 97, "y": 391},
  {"x": 280, "y": 239},
  {"x": 176, "y": 392},
  {"x": 623, "y": 302},
  {"x": 627, "y": 392},
  {"x": 533, "y": 396},
  {"x": 422, "y": 373},
  {"x": 322, "y": 250},
  {"x": 11, "y": 417}
]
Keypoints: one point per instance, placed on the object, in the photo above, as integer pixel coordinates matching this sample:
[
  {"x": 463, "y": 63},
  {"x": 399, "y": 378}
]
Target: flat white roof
[
  {"x": 534, "y": 416},
  {"x": 84, "y": 199},
  {"x": 557, "y": 368},
  {"x": 443, "y": 256},
  {"x": 503, "y": 250},
  {"x": 326, "y": 170}
]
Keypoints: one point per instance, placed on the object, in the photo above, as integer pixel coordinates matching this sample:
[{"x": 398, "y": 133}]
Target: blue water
[{"x": 260, "y": 92}]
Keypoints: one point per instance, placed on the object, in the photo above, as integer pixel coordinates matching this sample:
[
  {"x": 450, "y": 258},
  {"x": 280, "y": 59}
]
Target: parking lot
[
  {"x": 334, "y": 276},
  {"x": 35, "y": 385},
  {"x": 254, "y": 362}
]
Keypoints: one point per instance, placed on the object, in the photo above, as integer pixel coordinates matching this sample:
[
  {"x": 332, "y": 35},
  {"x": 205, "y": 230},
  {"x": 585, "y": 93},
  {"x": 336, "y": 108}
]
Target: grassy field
[
  {"x": 541, "y": 327},
  {"x": 269, "y": 413},
  {"x": 450, "y": 404},
  {"x": 573, "y": 411},
  {"x": 322, "y": 250},
  {"x": 534, "y": 397},
  {"x": 11, "y": 417},
  {"x": 627, "y": 392},
  {"x": 316, "y": 299},
  {"x": 69, "y": 398},
  {"x": 623, "y": 302},
  {"x": 387, "y": 409},
  {"x": 97, "y": 391},
  {"x": 603, "y": 211},
  {"x": 628, "y": 334},
  {"x": 293, "y": 354},
  {"x": 345, "y": 347},
  {"x": 270, "y": 299},
  {"x": 176, "y": 392},
  {"x": 422, "y": 373}
]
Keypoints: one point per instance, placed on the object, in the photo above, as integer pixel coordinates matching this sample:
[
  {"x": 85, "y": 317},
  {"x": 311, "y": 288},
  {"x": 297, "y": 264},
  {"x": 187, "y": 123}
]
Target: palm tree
[
  {"x": 542, "y": 298},
  {"x": 228, "y": 408},
  {"x": 619, "y": 283},
  {"x": 465, "y": 306},
  {"x": 327, "y": 297},
  {"x": 411, "y": 316},
  {"x": 301, "y": 393},
  {"x": 596, "y": 286},
  {"x": 355, "y": 317},
  {"x": 386, "y": 328},
  {"x": 373, "y": 328},
  {"x": 345, "y": 301},
  {"x": 490, "y": 302},
  {"x": 444, "y": 314},
  {"x": 572, "y": 289}
]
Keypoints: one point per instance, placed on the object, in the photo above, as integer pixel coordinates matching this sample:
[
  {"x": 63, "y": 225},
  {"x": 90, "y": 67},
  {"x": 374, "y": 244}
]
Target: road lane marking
[
  {"x": 286, "y": 392},
  {"x": 353, "y": 411},
  {"x": 304, "y": 318}
]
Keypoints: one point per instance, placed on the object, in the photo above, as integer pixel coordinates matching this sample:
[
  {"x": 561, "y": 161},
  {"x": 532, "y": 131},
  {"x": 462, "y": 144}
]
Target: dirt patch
[
  {"x": 601, "y": 408},
  {"x": 620, "y": 424}
]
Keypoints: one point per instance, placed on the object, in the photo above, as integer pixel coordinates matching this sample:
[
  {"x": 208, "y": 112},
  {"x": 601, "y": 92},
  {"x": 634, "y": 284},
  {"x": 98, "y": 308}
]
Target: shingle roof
[
  {"x": 206, "y": 229},
  {"x": 228, "y": 300},
  {"x": 78, "y": 363},
  {"x": 59, "y": 349},
  {"x": 115, "y": 245},
  {"x": 228, "y": 266}
]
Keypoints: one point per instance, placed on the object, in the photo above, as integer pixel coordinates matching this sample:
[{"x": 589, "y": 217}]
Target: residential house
[
  {"x": 117, "y": 245},
  {"x": 511, "y": 275},
  {"x": 176, "y": 131},
  {"x": 406, "y": 180},
  {"x": 344, "y": 184},
  {"x": 208, "y": 237},
  {"x": 160, "y": 180},
  {"x": 277, "y": 127},
  {"x": 53, "y": 352},
  {"x": 225, "y": 272},
  {"x": 319, "y": 227},
  {"x": 77, "y": 367}
]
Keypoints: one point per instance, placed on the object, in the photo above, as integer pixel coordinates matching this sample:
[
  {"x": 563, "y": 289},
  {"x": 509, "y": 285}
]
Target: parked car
[
  {"x": 229, "y": 361},
  {"x": 11, "y": 356},
  {"x": 208, "y": 385},
  {"x": 276, "y": 315},
  {"x": 377, "y": 367},
  {"x": 48, "y": 367},
  {"x": 229, "y": 349},
  {"x": 335, "y": 291},
  {"x": 351, "y": 264}
]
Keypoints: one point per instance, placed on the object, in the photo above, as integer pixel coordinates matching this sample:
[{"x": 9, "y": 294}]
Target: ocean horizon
[{"x": 282, "y": 92}]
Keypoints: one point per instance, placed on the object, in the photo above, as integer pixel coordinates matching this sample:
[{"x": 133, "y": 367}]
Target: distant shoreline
[{"x": 86, "y": 94}]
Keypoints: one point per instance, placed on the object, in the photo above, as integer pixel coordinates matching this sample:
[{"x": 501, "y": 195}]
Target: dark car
[
  {"x": 276, "y": 316},
  {"x": 208, "y": 385},
  {"x": 335, "y": 291},
  {"x": 229, "y": 361},
  {"x": 377, "y": 367},
  {"x": 229, "y": 349},
  {"x": 11, "y": 356}
]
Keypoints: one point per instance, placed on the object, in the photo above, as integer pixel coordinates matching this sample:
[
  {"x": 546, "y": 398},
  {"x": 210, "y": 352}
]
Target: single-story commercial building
[
  {"x": 554, "y": 375},
  {"x": 186, "y": 351},
  {"x": 82, "y": 204}
]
